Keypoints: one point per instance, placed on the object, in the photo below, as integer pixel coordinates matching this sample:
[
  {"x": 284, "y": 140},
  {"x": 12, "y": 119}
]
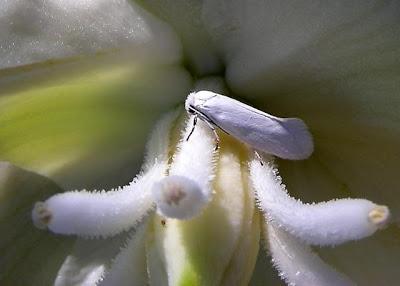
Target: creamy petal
[
  {"x": 34, "y": 31},
  {"x": 242, "y": 264}
]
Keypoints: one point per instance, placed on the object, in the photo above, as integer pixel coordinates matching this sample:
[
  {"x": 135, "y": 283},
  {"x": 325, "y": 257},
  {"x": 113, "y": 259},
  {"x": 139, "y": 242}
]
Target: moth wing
[{"x": 287, "y": 138}]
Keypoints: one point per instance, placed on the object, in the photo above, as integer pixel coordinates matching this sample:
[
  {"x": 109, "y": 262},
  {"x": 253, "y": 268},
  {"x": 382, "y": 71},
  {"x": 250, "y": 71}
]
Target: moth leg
[
  {"x": 215, "y": 134},
  {"x": 259, "y": 157},
  {"x": 194, "y": 125}
]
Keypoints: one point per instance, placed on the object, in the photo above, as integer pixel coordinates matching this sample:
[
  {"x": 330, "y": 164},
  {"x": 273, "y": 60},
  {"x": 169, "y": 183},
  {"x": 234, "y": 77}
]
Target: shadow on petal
[{"x": 29, "y": 256}]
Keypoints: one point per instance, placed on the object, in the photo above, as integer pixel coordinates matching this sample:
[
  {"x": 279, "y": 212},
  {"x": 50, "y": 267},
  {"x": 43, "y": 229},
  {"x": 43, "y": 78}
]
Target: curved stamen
[
  {"x": 326, "y": 223},
  {"x": 92, "y": 214}
]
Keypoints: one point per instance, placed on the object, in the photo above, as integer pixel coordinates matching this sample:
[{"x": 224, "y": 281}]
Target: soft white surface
[
  {"x": 326, "y": 223},
  {"x": 195, "y": 158},
  {"x": 36, "y": 30},
  {"x": 298, "y": 264},
  {"x": 266, "y": 37},
  {"x": 103, "y": 213}
]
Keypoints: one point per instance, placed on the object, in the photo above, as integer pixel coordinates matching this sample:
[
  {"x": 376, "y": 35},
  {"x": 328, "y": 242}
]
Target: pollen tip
[
  {"x": 41, "y": 215},
  {"x": 178, "y": 197},
  {"x": 379, "y": 216}
]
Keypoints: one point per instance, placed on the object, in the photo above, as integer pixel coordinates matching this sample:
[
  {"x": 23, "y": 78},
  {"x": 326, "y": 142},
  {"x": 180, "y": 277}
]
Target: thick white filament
[
  {"x": 298, "y": 264},
  {"x": 188, "y": 188},
  {"x": 93, "y": 214},
  {"x": 327, "y": 223}
]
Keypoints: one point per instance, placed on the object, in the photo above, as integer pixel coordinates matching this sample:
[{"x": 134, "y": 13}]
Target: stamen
[
  {"x": 326, "y": 223},
  {"x": 379, "y": 216},
  {"x": 179, "y": 197},
  {"x": 298, "y": 264},
  {"x": 195, "y": 159},
  {"x": 188, "y": 189},
  {"x": 92, "y": 214},
  {"x": 41, "y": 215}
]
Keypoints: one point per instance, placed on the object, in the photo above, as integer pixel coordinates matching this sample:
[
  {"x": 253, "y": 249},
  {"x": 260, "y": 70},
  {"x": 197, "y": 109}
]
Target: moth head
[
  {"x": 197, "y": 99},
  {"x": 189, "y": 103}
]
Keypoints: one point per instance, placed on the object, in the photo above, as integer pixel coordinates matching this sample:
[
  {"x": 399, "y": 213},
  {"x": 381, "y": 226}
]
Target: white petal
[
  {"x": 326, "y": 223},
  {"x": 265, "y": 41},
  {"x": 187, "y": 190},
  {"x": 336, "y": 66},
  {"x": 34, "y": 31},
  {"x": 129, "y": 267},
  {"x": 298, "y": 264},
  {"x": 108, "y": 213}
]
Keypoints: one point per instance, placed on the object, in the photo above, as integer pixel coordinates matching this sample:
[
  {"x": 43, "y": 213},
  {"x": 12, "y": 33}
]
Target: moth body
[{"x": 287, "y": 138}]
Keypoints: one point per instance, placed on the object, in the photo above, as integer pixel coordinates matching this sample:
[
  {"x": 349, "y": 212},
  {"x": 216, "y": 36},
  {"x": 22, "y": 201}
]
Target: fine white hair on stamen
[
  {"x": 188, "y": 189},
  {"x": 94, "y": 214},
  {"x": 326, "y": 223},
  {"x": 195, "y": 158},
  {"x": 297, "y": 263}
]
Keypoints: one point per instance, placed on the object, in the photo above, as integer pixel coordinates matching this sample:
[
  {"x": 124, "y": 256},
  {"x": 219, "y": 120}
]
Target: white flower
[
  {"x": 181, "y": 187},
  {"x": 80, "y": 121}
]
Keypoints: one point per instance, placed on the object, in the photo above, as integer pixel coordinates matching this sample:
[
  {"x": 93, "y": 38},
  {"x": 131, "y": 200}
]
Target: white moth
[{"x": 287, "y": 138}]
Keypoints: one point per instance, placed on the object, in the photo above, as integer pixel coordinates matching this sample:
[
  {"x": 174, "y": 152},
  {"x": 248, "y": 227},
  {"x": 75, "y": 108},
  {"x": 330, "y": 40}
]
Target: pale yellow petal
[{"x": 82, "y": 122}]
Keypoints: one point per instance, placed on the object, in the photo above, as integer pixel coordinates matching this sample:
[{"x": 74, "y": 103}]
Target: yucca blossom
[{"x": 196, "y": 215}]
